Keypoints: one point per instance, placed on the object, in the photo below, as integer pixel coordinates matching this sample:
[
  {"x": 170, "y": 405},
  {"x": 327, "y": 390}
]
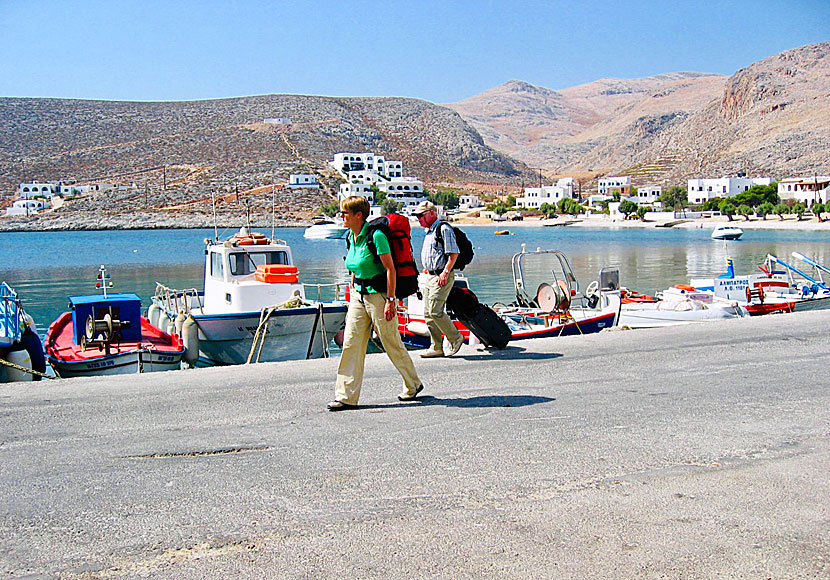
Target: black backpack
[
  {"x": 396, "y": 229},
  {"x": 465, "y": 246}
]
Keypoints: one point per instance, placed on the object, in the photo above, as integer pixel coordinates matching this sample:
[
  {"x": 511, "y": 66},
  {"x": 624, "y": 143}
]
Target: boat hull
[
  {"x": 227, "y": 339},
  {"x": 649, "y": 316},
  {"x": 156, "y": 351}
]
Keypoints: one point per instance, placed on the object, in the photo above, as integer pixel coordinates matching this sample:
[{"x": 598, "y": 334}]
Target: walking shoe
[
  {"x": 407, "y": 397},
  {"x": 456, "y": 346},
  {"x": 340, "y": 406},
  {"x": 432, "y": 354}
]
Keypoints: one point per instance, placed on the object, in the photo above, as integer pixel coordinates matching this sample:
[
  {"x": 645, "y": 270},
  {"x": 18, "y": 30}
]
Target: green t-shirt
[{"x": 361, "y": 262}]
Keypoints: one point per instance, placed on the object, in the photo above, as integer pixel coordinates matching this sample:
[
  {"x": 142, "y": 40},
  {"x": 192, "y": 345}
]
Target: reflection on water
[{"x": 47, "y": 267}]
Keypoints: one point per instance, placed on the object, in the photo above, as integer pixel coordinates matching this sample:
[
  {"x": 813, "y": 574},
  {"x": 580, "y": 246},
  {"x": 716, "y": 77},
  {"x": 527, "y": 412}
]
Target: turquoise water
[{"x": 47, "y": 267}]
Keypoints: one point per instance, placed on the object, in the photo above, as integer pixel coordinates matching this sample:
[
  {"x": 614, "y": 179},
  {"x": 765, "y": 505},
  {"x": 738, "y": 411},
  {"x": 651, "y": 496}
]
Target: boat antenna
[
  {"x": 273, "y": 210},
  {"x": 104, "y": 281},
  {"x": 215, "y": 228}
]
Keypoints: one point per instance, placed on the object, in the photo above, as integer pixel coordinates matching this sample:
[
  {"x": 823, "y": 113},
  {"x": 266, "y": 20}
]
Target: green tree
[
  {"x": 330, "y": 209},
  {"x": 744, "y": 210},
  {"x": 642, "y": 211},
  {"x": 798, "y": 210},
  {"x": 498, "y": 208},
  {"x": 628, "y": 207},
  {"x": 379, "y": 196},
  {"x": 765, "y": 209},
  {"x": 548, "y": 209},
  {"x": 676, "y": 198},
  {"x": 511, "y": 201},
  {"x": 569, "y": 206},
  {"x": 818, "y": 209},
  {"x": 449, "y": 199},
  {"x": 389, "y": 205},
  {"x": 712, "y": 204},
  {"x": 727, "y": 209},
  {"x": 781, "y": 210}
]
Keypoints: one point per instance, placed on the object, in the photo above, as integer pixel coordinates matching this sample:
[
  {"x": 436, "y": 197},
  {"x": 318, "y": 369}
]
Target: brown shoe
[{"x": 432, "y": 354}]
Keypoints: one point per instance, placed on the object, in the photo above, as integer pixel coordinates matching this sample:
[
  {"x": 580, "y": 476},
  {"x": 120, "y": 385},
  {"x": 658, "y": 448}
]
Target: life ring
[
  {"x": 685, "y": 287},
  {"x": 251, "y": 239}
]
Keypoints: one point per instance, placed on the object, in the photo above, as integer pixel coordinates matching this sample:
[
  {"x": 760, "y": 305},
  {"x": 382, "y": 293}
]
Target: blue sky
[{"x": 442, "y": 51}]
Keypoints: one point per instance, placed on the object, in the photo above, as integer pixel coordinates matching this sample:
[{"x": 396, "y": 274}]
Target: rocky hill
[
  {"x": 179, "y": 153},
  {"x": 770, "y": 118}
]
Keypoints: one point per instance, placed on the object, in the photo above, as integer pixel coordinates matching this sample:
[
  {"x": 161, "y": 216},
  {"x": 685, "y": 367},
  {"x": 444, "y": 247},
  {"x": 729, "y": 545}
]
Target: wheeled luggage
[{"x": 485, "y": 324}]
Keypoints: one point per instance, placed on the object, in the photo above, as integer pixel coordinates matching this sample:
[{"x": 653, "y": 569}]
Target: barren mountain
[
  {"x": 180, "y": 152},
  {"x": 771, "y": 118}
]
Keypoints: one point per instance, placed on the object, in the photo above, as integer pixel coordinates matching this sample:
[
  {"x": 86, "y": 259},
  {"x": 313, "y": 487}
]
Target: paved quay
[{"x": 688, "y": 452}]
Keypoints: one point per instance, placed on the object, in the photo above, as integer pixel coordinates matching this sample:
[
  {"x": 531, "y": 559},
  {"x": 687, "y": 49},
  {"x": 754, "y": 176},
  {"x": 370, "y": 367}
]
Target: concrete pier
[{"x": 700, "y": 451}]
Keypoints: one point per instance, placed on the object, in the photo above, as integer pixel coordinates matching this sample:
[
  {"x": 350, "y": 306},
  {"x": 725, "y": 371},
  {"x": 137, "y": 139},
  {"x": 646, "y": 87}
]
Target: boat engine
[{"x": 104, "y": 332}]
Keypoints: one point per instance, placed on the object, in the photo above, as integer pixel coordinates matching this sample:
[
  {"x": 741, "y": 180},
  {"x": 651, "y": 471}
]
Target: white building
[
  {"x": 702, "y": 190},
  {"x": 608, "y": 185},
  {"x": 303, "y": 180},
  {"x": 535, "y": 197},
  {"x": 806, "y": 190},
  {"x": 646, "y": 195},
  {"x": 348, "y": 162},
  {"x": 26, "y": 207},
  {"x": 365, "y": 170},
  {"x": 469, "y": 201},
  {"x": 30, "y": 190}
]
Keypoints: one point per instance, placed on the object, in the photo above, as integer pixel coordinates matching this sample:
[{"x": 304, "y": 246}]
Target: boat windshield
[{"x": 242, "y": 263}]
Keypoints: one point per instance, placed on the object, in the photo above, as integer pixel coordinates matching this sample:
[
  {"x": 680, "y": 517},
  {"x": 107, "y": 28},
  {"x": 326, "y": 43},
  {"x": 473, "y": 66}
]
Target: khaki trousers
[
  {"x": 438, "y": 322},
  {"x": 364, "y": 311}
]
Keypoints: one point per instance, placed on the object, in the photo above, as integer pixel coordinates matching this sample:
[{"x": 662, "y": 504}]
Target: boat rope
[
  {"x": 261, "y": 332},
  {"x": 314, "y": 331},
  {"x": 25, "y": 370}
]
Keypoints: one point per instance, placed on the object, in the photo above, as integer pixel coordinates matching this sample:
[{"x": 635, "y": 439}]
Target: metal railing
[{"x": 10, "y": 327}]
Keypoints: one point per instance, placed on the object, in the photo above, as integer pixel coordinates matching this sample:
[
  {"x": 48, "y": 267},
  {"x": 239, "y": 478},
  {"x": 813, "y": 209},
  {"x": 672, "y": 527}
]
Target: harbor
[{"x": 636, "y": 454}]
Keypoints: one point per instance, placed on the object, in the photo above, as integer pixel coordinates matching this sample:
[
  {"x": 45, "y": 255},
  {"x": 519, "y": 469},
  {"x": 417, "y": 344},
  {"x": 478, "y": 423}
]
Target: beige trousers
[
  {"x": 438, "y": 322},
  {"x": 364, "y": 311}
]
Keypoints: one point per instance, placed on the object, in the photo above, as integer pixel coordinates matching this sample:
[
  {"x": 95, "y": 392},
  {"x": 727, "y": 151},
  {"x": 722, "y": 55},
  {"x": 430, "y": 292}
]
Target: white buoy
[
  {"x": 179, "y": 322},
  {"x": 20, "y": 358},
  {"x": 164, "y": 321},
  {"x": 153, "y": 314},
  {"x": 190, "y": 339}
]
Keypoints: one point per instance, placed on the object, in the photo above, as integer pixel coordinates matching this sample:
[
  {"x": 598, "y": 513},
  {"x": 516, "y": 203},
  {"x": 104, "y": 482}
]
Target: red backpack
[{"x": 396, "y": 229}]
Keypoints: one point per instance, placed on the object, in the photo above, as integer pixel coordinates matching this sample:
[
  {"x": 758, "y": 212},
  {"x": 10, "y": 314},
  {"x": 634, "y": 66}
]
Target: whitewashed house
[
  {"x": 701, "y": 190},
  {"x": 469, "y": 201},
  {"x": 535, "y": 197},
  {"x": 608, "y": 185},
  {"x": 303, "y": 180},
  {"x": 31, "y": 190},
  {"x": 806, "y": 190},
  {"x": 362, "y": 171},
  {"x": 646, "y": 195},
  {"x": 27, "y": 206}
]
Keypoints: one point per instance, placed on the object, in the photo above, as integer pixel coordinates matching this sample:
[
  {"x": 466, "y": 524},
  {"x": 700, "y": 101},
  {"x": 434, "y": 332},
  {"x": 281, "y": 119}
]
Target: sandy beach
[{"x": 605, "y": 221}]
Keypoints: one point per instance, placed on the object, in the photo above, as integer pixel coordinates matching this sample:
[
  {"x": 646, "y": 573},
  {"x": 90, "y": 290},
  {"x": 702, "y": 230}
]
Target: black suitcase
[{"x": 488, "y": 326}]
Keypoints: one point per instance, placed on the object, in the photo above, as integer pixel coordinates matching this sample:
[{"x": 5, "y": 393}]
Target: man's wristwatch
[{"x": 390, "y": 299}]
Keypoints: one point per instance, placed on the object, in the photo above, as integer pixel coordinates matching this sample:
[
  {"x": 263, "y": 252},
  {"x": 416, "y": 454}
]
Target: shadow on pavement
[
  {"x": 511, "y": 352},
  {"x": 486, "y": 401}
]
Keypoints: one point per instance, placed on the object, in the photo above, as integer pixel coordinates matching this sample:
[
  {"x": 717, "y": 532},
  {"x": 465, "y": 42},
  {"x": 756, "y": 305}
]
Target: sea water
[{"x": 45, "y": 268}]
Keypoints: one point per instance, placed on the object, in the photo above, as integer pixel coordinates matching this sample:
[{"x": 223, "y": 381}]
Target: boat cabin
[
  {"x": 249, "y": 273},
  {"x": 115, "y": 317}
]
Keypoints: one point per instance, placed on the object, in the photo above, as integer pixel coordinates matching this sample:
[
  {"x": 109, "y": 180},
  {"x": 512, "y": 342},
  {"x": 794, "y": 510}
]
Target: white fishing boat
[
  {"x": 20, "y": 348},
  {"x": 253, "y": 308},
  {"x": 322, "y": 228},
  {"x": 727, "y": 232},
  {"x": 679, "y": 304}
]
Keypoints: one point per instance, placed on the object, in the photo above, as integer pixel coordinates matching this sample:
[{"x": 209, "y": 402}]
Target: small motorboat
[
  {"x": 105, "y": 334},
  {"x": 558, "y": 307},
  {"x": 21, "y": 351},
  {"x": 727, "y": 232},
  {"x": 680, "y": 304},
  {"x": 502, "y": 232},
  {"x": 323, "y": 228},
  {"x": 253, "y": 308}
]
